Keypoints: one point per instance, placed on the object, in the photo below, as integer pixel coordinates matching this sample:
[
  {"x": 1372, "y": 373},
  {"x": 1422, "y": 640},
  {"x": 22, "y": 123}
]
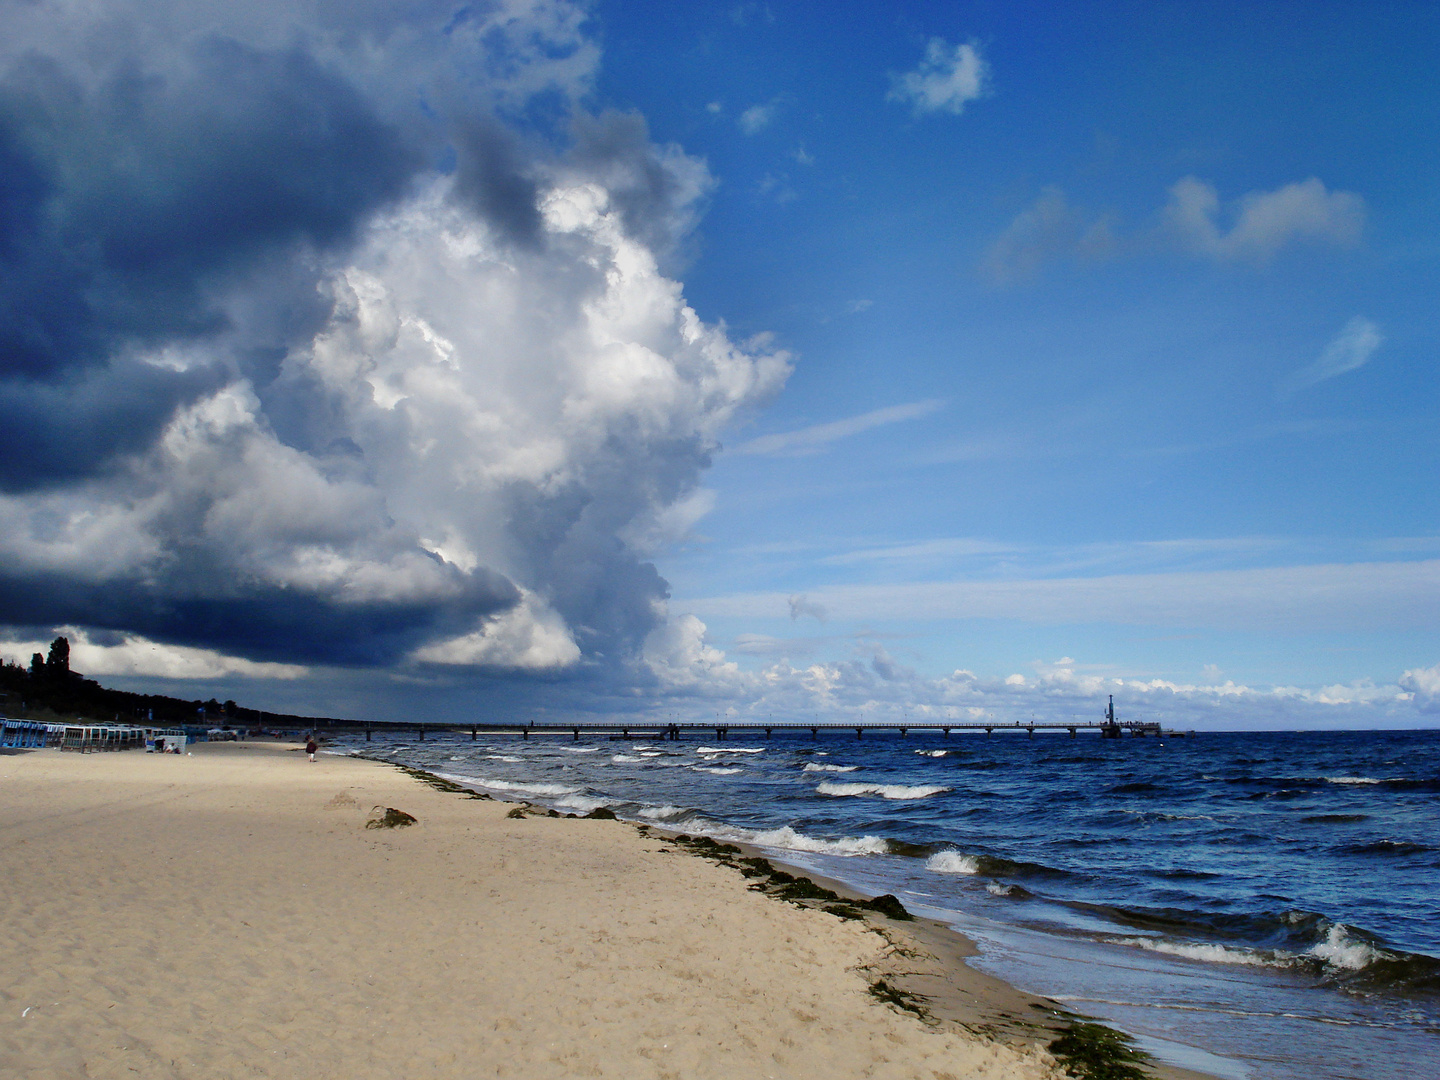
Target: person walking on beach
[{"x": 310, "y": 747}]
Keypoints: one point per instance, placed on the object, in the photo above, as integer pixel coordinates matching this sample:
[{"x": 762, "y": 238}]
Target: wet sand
[{"x": 228, "y": 914}]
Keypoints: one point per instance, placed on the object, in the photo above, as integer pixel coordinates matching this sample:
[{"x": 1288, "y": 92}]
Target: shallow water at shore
[{"x": 1235, "y": 893}]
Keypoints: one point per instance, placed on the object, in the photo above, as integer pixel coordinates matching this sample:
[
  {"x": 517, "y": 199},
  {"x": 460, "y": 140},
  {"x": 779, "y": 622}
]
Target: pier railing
[{"x": 721, "y": 729}]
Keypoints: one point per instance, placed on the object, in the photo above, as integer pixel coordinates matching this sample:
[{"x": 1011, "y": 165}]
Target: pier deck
[{"x": 721, "y": 729}]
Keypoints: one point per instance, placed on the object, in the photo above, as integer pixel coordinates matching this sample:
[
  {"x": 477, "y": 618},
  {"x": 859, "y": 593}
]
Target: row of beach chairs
[
  {"x": 91, "y": 737},
  {"x": 23, "y": 734},
  {"x": 33, "y": 734}
]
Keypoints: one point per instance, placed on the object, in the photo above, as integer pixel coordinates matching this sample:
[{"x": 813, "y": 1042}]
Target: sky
[{"x": 541, "y": 358}]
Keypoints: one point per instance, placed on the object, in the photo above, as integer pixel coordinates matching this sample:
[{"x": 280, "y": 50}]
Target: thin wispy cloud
[
  {"x": 758, "y": 117},
  {"x": 1350, "y": 349},
  {"x": 813, "y": 439},
  {"x": 1046, "y": 231},
  {"x": 1386, "y": 596},
  {"x": 944, "y": 548},
  {"x": 949, "y": 77},
  {"x": 801, "y": 605}
]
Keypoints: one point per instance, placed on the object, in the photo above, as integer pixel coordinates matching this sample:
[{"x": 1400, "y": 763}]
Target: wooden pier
[
  {"x": 722, "y": 729},
  {"x": 1112, "y": 727}
]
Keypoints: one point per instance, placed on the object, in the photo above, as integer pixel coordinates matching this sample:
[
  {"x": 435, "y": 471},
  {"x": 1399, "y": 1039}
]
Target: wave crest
[{"x": 885, "y": 791}]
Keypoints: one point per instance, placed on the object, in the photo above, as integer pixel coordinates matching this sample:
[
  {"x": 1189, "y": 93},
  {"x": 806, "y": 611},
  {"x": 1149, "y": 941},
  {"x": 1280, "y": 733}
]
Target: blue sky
[
  {"x": 1115, "y": 411},
  {"x": 966, "y": 360}
]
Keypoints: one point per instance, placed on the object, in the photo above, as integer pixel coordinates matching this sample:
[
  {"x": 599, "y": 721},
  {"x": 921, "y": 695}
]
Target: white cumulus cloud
[
  {"x": 1258, "y": 225},
  {"x": 437, "y": 415},
  {"x": 947, "y": 79}
]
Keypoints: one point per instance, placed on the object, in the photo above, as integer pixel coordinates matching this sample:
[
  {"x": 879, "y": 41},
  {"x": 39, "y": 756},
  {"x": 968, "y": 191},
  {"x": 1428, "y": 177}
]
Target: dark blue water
[{"x": 1256, "y": 905}]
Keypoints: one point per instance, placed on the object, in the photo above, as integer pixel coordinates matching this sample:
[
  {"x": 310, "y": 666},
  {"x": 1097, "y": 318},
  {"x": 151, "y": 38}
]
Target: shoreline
[
  {"x": 228, "y": 913},
  {"x": 929, "y": 971}
]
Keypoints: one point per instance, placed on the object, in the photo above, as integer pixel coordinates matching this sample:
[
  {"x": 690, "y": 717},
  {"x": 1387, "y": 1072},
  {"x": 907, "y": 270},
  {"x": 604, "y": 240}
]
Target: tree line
[{"x": 49, "y": 689}]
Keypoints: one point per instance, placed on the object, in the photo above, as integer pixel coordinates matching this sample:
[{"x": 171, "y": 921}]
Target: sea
[{"x": 1256, "y": 906}]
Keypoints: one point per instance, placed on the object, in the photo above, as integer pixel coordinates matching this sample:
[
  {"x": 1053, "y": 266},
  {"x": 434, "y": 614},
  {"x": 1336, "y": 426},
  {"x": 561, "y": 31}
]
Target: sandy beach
[{"x": 228, "y": 914}]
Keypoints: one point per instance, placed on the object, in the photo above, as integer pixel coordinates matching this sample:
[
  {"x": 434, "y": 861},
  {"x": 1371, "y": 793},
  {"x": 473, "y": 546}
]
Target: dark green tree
[{"x": 57, "y": 664}]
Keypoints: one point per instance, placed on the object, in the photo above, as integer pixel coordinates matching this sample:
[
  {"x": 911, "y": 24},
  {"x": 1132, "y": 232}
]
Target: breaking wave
[
  {"x": 885, "y": 791},
  {"x": 953, "y": 862},
  {"x": 789, "y": 839}
]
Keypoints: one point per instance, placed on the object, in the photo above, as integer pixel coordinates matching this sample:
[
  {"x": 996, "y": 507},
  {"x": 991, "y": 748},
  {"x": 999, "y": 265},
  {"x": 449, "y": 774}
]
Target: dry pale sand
[{"x": 228, "y": 915}]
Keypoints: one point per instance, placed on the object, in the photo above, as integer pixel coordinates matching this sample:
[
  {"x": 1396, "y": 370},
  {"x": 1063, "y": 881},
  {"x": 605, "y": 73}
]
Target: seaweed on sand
[
  {"x": 390, "y": 819},
  {"x": 889, "y": 905},
  {"x": 900, "y": 999},
  {"x": 1096, "y": 1052},
  {"x": 517, "y": 814},
  {"x": 786, "y": 886},
  {"x": 805, "y": 889},
  {"x": 439, "y": 783}
]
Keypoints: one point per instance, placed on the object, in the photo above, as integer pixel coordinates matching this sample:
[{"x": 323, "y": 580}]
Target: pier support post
[
  {"x": 422, "y": 732},
  {"x": 902, "y": 732},
  {"x": 1030, "y": 731},
  {"x": 947, "y": 732},
  {"x": 472, "y": 733},
  {"x": 988, "y": 730},
  {"x": 814, "y": 733},
  {"x": 858, "y": 731},
  {"x": 525, "y": 733},
  {"x": 767, "y": 733},
  {"x": 1072, "y": 733},
  {"x": 367, "y": 732}
]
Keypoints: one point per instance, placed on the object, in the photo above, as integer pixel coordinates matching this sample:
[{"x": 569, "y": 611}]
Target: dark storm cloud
[
  {"x": 261, "y": 622},
  {"x": 55, "y": 432},
  {"x": 656, "y": 189},
  {"x": 491, "y": 176},
  {"x": 328, "y": 336},
  {"x": 127, "y": 202}
]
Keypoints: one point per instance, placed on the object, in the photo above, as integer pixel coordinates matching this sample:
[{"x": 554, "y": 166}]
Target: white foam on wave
[
  {"x": 663, "y": 813},
  {"x": 932, "y": 753},
  {"x": 544, "y": 790},
  {"x": 952, "y": 862},
  {"x": 885, "y": 791},
  {"x": 1352, "y": 780},
  {"x": 1340, "y": 950},
  {"x": 788, "y": 839},
  {"x": 496, "y": 757},
  {"x": 730, "y": 749},
  {"x": 583, "y": 803},
  {"x": 811, "y": 766},
  {"x": 1212, "y": 954},
  {"x": 626, "y": 757},
  {"x": 651, "y": 753},
  {"x": 717, "y": 771},
  {"x": 581, "y": 749}
]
